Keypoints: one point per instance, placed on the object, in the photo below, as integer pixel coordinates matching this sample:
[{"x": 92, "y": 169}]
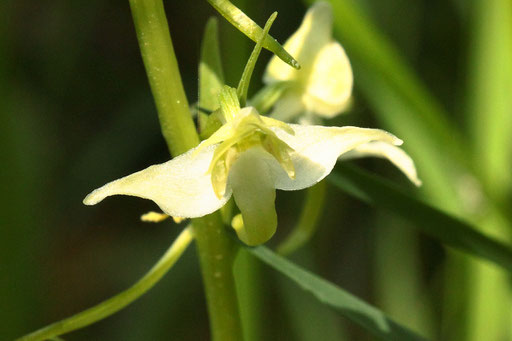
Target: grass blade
[
  {"x": 489, "y": 102},
  {"x": 248, "y": 27},
  {"x": 211, "y": 75},
  {"x": 431, "y": 221},
  {"x": 489, "y": 106},
  {"x": 357, "y": 310}
]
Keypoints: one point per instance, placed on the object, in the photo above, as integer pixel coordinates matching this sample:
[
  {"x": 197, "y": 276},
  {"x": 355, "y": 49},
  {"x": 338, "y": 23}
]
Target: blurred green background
[{"x": 76, "y": 111}]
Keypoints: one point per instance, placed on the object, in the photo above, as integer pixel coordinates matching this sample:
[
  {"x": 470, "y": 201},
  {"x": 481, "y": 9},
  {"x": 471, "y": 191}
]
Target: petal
[
  {"x": 272, "y": 122},
  {"x": 154, "y": 217},
  {"x": 314, "y": 32},
  {"x": 223, "y": 133},
  {"x": 329, "y": 86},
  {"x": 388, "y": 151},
  {"x": 181, "y": 187},
  {"x": 288, "y": 107},
  {"x": 253, "y": 189},
  {"x": 316, "y": 150}
]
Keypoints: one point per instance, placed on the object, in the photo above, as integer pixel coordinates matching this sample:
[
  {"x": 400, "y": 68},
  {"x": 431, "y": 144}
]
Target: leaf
[
  {"x": 488, "y": 108},
  {"x": 211, "y": 75},
  {"x": 447, "y": 229},
  {"x": 357, "y": 310},
  {"x": 489, "y": 101},
  {"x": 248, "y": 27}
]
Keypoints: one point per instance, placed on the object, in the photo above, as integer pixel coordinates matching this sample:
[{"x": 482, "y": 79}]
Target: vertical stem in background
[
  {"x": 400, "y": 289},
  {"x": 164, "y": 77},
  {"x": 489, "y": 106},
  {"x": 215, "y": 248}
]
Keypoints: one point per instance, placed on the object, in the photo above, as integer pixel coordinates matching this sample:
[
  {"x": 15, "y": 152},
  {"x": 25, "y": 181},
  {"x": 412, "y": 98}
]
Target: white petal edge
[
  {"x": 388, "y": 151},
  {"x": 181, "y": 187},
  {"x": 329, "y": 87},
  {"x": 314, "y": 32},
  {"x": 317, "y": 149}
]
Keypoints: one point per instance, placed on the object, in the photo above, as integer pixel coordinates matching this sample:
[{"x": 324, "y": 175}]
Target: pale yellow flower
[
  {"x": 323, "y": 86},
  {"x": 249, "y": 157}
]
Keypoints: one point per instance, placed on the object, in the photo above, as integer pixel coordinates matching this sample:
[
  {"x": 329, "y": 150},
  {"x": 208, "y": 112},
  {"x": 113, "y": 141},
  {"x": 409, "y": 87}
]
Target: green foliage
[
  {"x": 360, "y": 312},
  {"x": 447, "y": 229},
  {"x": 464, "y": 162}
]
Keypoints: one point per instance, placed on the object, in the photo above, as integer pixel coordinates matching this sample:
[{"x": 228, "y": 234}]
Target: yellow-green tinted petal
[
  {"x": 289, "y": 106},
  {"x": 329, "y": 86},
  {"x": 219, "y": 177},
  {"x": 388, "y": 151},
  {"x": 220, "y": 135},
  {"x": 253, "y": 189},
  {"x": 316, "y": 149},
  {"x": 272, "y": 122},
  {"x": 314, "y": 32},
  {"x": 281, "y": 152},
  {"x": 180, "y": 187},
  {"x": 154, "y": 217}
]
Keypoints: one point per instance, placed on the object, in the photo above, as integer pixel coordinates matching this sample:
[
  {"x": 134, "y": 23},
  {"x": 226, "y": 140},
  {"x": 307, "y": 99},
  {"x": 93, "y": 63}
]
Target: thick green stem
[
  {"x": 216, "y": 254},
  {"x": 164, "y": 77},
  {"x": 215, "y": 248}
]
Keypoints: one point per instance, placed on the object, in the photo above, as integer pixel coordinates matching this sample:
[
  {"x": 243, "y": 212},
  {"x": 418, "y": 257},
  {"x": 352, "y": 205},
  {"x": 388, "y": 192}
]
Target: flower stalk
[
  {"x": 164, "y": 76},
  {"x": 217, "y": 252},
  {"x": 119, "y": 301},
  {"x": 215, "y": 248}
]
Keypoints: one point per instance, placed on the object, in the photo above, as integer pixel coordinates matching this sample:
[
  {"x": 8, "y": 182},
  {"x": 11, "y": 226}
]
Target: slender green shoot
[
  {"x": 245, "y": 80},
  {"x": 121, "y": 300}
]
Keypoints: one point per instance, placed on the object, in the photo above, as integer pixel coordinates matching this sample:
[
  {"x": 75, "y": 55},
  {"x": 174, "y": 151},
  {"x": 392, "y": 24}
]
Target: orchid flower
[
  {"x": 249, "y": 157},
  {"x": 324, "y": 84}
]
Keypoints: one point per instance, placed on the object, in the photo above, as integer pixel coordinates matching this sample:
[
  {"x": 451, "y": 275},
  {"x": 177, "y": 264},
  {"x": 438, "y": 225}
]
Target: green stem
[
  {"x": 216, "y": 254},
  {"x": 215, "y": 248},
  {"x": 245, "y": 80},
  {"x": 119, "y": 301},
  {"x": 164, "y": 77}
]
